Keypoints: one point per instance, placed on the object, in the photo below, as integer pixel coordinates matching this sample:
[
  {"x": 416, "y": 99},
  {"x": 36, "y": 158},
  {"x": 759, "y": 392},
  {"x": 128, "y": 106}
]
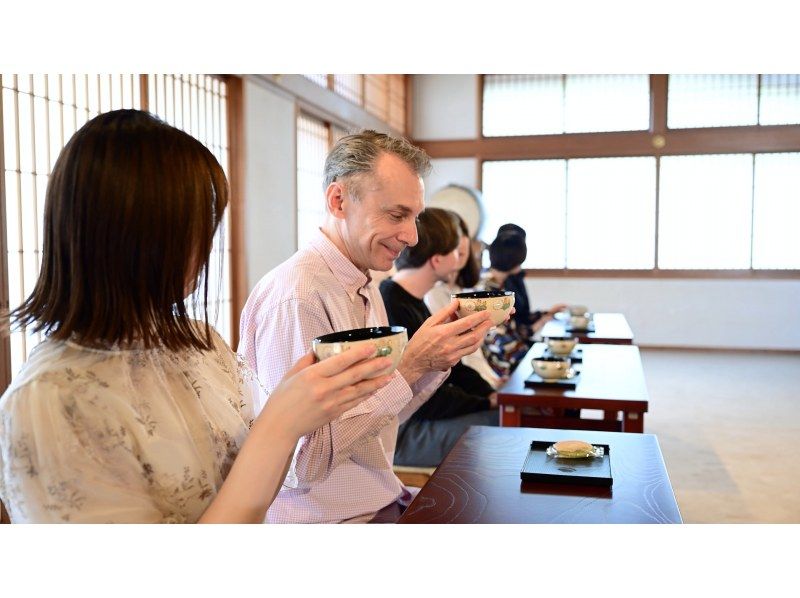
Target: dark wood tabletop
[
  {"x": 611, "y": 379},
  {"x": 610, "y": 328},
  {"x": 479, "y": 482}
]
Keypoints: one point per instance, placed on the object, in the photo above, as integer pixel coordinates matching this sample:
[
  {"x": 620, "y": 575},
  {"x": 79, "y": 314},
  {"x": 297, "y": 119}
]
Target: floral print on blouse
[{"x": 124, "y": 436}]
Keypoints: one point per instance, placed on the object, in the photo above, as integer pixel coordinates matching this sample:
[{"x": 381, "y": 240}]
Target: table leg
[
  {"x": 632, "y": 422},
  {"x": 510, "y": 416}
]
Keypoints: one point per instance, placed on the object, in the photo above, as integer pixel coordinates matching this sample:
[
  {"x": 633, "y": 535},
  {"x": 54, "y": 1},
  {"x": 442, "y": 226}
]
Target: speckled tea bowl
[
  {"x": 577, "y": 310},
  {"x": 389, "y": 341},
  {"x": 551, "y": 368},
  {"x": 580, "y": 322},
  {"x": 498, "y": 304},
  {"x": 561, "y": 346}
]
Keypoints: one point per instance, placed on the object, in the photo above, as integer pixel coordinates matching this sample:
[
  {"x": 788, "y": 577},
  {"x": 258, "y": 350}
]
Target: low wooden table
[
  {"x": 610, "y": 329},
  {"x": 479, "y": 482},
  {"x": 611, "y": 380}
]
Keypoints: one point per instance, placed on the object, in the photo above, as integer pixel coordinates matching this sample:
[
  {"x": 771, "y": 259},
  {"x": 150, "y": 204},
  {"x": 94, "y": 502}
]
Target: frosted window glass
[
  {"x": 531, "y": 194},
  {"x": 705, "y": 209},
  {"x": 350, "y": 87},
  {"x": 312, "y": 148},
  {"x": 522, "y": 105},
  {"x": 595, "y": 103},
  {"x": 611, "y": 213},
  {"x": 712, "y": 101},
  {"x": 780, "y": 100},
  {"x": 776, "y": 211},
  {"x": 321, "y": 80},
  {"x": 553, "y": 104}
]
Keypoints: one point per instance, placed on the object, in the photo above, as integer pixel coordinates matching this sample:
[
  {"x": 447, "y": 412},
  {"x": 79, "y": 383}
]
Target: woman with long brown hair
[{"x": 131, "y": 410}]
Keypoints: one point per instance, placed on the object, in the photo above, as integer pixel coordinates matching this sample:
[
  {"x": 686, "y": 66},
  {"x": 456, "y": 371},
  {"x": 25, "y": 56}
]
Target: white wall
[
  {"x": 270, "y": 180},
  {"x": 445, "y": 107},
  {"x": 444, "y": 171},
  {"x": 745, "y": 314},
  {"x": 759, "y": 314}
]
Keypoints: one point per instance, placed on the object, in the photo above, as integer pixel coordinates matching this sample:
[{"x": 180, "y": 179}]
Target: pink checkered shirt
[{"x": 343, "y": 471}]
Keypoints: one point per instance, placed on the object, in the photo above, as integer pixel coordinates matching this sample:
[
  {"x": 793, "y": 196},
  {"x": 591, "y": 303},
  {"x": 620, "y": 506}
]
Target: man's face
[{"x": 383, "y": 220}]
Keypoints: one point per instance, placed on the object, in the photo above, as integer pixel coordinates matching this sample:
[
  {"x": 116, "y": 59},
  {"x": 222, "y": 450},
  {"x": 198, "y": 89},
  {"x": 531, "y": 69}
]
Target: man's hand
[{"x": 440, "y": 342}]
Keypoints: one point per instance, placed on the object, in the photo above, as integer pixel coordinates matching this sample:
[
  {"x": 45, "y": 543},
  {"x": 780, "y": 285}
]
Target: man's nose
[{"x": 409, "y": 234}]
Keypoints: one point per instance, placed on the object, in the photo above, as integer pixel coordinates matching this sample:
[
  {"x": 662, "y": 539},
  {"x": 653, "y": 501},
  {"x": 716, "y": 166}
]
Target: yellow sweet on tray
[{"x": 573, "y": 449}]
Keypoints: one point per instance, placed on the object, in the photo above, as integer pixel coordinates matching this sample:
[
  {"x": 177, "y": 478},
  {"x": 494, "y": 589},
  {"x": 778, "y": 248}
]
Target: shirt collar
[{"x": 345, "y": 271}]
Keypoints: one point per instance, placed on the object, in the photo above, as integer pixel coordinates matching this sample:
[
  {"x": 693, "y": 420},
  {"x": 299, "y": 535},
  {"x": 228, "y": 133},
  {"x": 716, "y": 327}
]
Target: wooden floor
[{"x": 729, "y": 429}]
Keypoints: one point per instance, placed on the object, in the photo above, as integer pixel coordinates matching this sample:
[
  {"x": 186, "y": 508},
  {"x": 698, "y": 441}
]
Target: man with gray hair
[{"x": 373, "y": 193}]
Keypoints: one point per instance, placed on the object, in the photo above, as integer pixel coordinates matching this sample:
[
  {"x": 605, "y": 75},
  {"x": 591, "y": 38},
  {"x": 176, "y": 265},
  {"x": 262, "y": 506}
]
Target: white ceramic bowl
[
  {"x": 498, "y": 303},
  {"x": 388, "y": 340},
  {"x": 551, "y": 368},
  {"x": 561, "y": 346},
  {"x": 580, "y": 322}
]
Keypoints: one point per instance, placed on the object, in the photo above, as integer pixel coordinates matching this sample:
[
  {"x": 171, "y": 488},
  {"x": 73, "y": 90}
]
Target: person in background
[
  {"x": 464, "y": 398},
  {"x": 526, "y": 320},
  {"x": 507, "y": 344},
  {"x": 374, "y": 192},
  {"x": 131, "y": 411},
  {"x": 465, "y": 278}
]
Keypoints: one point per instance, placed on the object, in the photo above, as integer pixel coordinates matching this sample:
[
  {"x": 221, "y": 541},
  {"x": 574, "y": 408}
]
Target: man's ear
[{"x": 335, "y": 198}]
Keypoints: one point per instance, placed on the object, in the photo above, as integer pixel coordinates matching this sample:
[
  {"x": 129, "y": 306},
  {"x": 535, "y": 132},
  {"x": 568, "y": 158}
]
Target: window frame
[
  {"x": 311, "y": 115},
  {"x": 238, "y": 282},
  {"x": 657, "y": 141},
  {"x": 362, "y": 103}
]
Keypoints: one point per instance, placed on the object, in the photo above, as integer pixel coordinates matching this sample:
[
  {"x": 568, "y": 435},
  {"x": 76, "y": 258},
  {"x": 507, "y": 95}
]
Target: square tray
[
  {"x": 589, "y": 328},
  {"x": 535, "y": 380},
  {"x": 576, "y": 356},
  {"x": 539, "y": 467}
]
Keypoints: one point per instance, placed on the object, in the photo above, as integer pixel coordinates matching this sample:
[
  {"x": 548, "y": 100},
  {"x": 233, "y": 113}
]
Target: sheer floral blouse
[{"x": 120, "y": 436}]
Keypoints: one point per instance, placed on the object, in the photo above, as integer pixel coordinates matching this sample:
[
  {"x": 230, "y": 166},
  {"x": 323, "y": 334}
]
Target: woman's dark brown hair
[
  {"x": 130, "y": 214},
  {"x": 470, "y": 274},
  {"x": 437, "y": 234}
]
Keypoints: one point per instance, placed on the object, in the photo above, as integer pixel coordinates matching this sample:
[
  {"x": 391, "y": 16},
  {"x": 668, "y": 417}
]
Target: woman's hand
[
  {"x": 309, "y": 396},
  {"x": 312, "y": 394}
]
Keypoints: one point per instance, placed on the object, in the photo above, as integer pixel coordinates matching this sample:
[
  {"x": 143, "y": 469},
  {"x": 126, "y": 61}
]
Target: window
[
  {"x": 39, "y": 115},
  {"x": 715, "y": 212},
  {"x": 705, "y": 207},
  {"x": 591, "y": 213},
  {"x": 776, "y": 211},
  {"x": 313, "y": 142},
  {"x": 682, "y": 193},
  {"x": 553, "y": 104},
  {"x": 321, "y": 80},
  {"x": 350, "y": 87},
  {"x": 733, "y": 100},
  {"x": 383, "y": 96},
  {"x": 528, "y": 193},
  {"x": 197, "y": 104}
]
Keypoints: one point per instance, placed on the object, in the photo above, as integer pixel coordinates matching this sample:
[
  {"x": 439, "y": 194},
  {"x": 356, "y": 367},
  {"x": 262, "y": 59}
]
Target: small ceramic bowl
[
  {"x": 577, "y": 310},
  {"x": 551, "y": 368},
  {"x": 498, "y": 303},
  {"x": 580, "y": 322},
  {"x": 389, "y": 341},
  {"x": 561, "y": 346}
]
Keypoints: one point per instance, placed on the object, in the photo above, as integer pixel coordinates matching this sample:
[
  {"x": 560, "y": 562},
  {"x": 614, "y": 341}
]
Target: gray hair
[{"x": 356, "y": 154}]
